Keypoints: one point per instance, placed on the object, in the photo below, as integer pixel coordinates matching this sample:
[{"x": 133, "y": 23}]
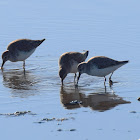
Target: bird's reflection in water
[
  {"x": 99, "y": 101},
  {"x": 19, "y": 81}
]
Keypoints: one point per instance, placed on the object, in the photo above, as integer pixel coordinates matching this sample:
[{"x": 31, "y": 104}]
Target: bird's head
[
  {"x": 5, "y": 57},
  {"x": 82, "y": 67},
  {"x": 62, "y": 74}
]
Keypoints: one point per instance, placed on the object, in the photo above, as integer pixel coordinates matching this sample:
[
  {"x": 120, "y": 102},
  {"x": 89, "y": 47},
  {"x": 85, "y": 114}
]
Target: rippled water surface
[{"x": 33, "y": 105}]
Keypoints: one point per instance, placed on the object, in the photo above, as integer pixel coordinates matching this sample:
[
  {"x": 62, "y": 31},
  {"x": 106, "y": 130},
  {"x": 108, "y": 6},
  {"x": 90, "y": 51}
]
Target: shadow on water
[
  {"x": 99, "y": 100},
  {"x": 19, "y": 80}
]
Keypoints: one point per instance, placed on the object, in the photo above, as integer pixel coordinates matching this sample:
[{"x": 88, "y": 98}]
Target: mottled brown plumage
[
  {"x": 24, "y": 45},
  {"x": 103, "y": 62},
  {"x": 68, "y": 63},
  {"x": 20, "y": 50},
  {"x": 100, "y": 66}
]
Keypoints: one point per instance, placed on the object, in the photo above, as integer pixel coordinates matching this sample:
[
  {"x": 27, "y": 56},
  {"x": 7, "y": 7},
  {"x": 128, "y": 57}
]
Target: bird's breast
[
  {"x": 22, "y": 55},
  {"x": 102, "y": 72},
  {"x": 74, "y": 65}
]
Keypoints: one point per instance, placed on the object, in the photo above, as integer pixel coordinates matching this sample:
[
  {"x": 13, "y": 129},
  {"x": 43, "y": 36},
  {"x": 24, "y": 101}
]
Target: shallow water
[{"x": 109, "y": 28}]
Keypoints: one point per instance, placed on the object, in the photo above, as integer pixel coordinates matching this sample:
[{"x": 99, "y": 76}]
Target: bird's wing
[
  {"x": 103, "y": 62},
  {"x": 23, "y": 45}
]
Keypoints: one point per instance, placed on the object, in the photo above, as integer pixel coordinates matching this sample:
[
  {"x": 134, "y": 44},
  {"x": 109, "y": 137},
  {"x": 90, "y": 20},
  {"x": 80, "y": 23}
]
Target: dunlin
[
  {"x": 100, "y": 66},
  {"x": 68, "y": 63},
  {"x": 20, "y": 50}
]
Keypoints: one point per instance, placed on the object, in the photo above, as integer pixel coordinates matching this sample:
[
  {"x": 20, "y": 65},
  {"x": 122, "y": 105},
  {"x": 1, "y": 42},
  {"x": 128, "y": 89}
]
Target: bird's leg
[
  {"x": 110, "y": 81},
  {"x": 62, "y": 82},
  {"x": 24, "y": 64},
  {"x": 24, "y": 72},
  {"x": 110, "y": 76},
  {"x": 104, "y": 81},
  {"x": 78, "y": 78},
  {"x": 105, "y": 87},
  {"x": 75, "y": 77}
]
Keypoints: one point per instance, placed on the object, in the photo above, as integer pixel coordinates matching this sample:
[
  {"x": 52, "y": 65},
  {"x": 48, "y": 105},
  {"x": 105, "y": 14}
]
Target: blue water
[{"x": 109, "y": 28}]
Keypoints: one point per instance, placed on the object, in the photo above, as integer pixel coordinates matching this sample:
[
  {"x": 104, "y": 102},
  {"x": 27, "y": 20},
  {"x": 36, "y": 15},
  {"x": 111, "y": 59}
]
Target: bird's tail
[
  {"x": 38, "y": 42},
  {"x": 124, "y": 62},
  {"x": 43, "y": 40},
  {"x": 86, "y": 54}
]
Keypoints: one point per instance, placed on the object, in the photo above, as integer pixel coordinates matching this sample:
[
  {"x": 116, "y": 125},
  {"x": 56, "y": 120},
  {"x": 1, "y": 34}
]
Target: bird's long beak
[
  {"x": 2, "y": 64},
  {"x": 78, "y": 77}
]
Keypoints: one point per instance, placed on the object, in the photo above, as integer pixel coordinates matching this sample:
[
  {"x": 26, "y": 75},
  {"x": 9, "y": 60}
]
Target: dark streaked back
[
  {"x": 67, "y": 57},
  {"x": 24, "y": 44},
  {"x": 103, "y": 62}
]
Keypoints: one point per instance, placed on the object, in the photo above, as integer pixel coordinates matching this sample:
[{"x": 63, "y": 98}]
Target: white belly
[
  {"x": 74, "y": 67},
  {"x": 24, "y": 55},
  {"x": 103, "y": 72}
]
